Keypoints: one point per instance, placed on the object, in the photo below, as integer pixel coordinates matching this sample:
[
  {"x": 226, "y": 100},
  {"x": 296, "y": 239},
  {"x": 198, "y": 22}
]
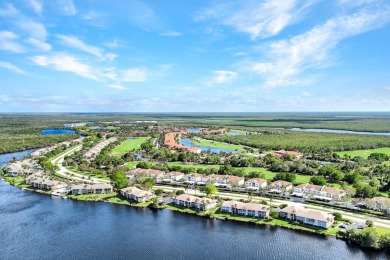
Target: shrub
[
  {"x": 337, "y": 216},
  {"x": 179, "y": 192}
]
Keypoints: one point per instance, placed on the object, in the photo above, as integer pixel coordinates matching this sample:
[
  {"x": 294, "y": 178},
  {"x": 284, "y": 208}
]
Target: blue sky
[{"x": 194, "y": 56}]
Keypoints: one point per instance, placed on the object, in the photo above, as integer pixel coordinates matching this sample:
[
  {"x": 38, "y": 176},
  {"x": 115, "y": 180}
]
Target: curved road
[{"x": 58, "y": 160}]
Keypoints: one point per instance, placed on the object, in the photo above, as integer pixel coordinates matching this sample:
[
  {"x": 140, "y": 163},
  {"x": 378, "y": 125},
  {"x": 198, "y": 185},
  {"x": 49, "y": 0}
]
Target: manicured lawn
[
  {"x": 112, "y": 127},
  {"x": 16, "y": 181},
  {"x": 278, "y": 222},
  {"x": 365, "y": 153},
  {"x": 100, "y": 176},
  {"x": 129, "y": 145},
  {"x": 215, "y": 144},
  {"x": 93, "y": 197}
]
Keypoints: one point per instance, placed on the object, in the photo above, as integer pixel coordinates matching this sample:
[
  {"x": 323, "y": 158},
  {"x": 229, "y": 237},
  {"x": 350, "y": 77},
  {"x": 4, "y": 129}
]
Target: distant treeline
[{"x": 305, "y": 141}]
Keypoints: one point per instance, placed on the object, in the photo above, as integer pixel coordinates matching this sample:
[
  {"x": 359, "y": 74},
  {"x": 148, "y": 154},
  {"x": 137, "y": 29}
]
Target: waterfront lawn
[
  {"x": 278, "y": 222},
  {"x": 124, "y": 201},
  {"x": 118, "y": 200},
  {"x": 129, "y": 145},
  {"x": 215, "y": 144},
  {"x": 15, "y": 181},
  {"x": 365, "y": 153},
  {"x": 186, "y": 210},
  {"x": 93, "y": 197}
]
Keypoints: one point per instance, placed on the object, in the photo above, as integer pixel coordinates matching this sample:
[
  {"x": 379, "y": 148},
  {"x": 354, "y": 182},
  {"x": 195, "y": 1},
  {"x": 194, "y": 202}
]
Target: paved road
[
  {"x": 73, "y": 175},
  {"x": 236, "y": 196}
]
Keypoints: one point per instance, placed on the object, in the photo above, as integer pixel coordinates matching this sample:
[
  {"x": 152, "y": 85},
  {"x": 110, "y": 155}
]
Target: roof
[
  {"x": 257, "y": 180},
  {"x": 190, "y": 198},
  {"x": 176, "y": 173},
  {"x": 91, "y": 186},
  {"x": 327, "y": 189},
  {"x": 231, "y": 178},
  {"x": 245, "y": 206},
  {"x": 307, "y": 213},
  {"x": 136, "y": 192},
  {"x": 281, "y": 183}
]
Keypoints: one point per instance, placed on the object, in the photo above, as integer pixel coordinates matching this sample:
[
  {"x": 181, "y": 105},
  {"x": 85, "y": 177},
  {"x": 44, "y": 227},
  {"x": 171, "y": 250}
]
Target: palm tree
[
  {"x": 293, "y": 215},
  {"x": 188, "y": 202}
]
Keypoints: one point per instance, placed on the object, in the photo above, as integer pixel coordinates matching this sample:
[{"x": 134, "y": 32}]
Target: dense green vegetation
[{"x": 305, "y": 141}]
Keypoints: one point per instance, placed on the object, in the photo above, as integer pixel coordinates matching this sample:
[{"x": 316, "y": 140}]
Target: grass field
[
  {"x": 214, "y": 144},
  {"x": 365, "y": 153},
  {"x": 129, "y": 145}
]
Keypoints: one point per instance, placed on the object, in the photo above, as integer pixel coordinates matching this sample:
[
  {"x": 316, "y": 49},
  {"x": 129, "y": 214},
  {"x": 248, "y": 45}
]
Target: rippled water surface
[{"x": 34, "y": 226}]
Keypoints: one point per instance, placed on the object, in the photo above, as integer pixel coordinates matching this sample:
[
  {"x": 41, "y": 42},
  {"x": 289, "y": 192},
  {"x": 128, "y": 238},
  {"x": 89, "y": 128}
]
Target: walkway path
[{"x": 70, "y": 174}]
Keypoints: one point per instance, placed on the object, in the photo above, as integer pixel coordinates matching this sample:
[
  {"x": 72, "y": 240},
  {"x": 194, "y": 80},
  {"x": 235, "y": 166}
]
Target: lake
[
  {"x": 51, "y": 131},
  {"x": 189, "y": 143},
  {"x": 36, "y": 226}
]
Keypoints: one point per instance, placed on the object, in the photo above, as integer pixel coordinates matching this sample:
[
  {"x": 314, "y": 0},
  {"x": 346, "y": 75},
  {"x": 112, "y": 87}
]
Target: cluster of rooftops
[{"x": 279, "y": 186}]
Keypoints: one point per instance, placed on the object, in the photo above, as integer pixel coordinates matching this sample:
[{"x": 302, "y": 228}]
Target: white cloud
[
  {"x": 289, "y": 58},
  {"x": 115, "y": 43},
  {"x": 221, "y": 77},
  {"x": 386, "y": 88},
  {"x": 11, "y": 67},
  {"x": 134, "y": 75},
  {"x": 36, "y": 6},
  {"x": 171, "y": 34},
  {"x": 35, "y": 29},
  {"x": 67, "y": 7},
  {"x": 306, "y": 94},
  {"x": 9, "y": 10},
  {"x": 116, "y": 86},
  {"x": 8, "y": 42},
  {"x": 40, "y": 45},
  {"x": 91, "y": 15},
  {"x": 74, "y": 42},
  {"x": 258, "y": 19},
  {"x": 65, "y": 62}
]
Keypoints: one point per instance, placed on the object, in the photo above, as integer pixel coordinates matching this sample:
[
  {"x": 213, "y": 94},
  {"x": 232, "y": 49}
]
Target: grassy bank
[{"x": 215, "y": 144}]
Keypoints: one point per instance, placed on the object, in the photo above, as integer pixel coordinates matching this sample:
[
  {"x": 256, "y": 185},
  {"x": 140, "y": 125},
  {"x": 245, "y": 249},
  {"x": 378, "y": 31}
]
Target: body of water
[
  {"x": 36, "y": 226},
  {"x": 336, "y": 131},
  {"x": 5, "y": 158},
  {"x": 189, "y": 143},
  {"x": 58, "y": 132}
]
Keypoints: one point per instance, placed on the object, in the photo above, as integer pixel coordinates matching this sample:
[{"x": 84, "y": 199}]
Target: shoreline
[{"x": 213, "y": 214}]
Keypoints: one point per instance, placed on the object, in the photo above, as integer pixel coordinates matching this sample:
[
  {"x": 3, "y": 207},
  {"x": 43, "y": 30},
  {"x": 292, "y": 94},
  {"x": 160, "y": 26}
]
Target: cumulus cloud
[
  {"x": 259, "y": 19},
  {"x": 289, "y": 58}
]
